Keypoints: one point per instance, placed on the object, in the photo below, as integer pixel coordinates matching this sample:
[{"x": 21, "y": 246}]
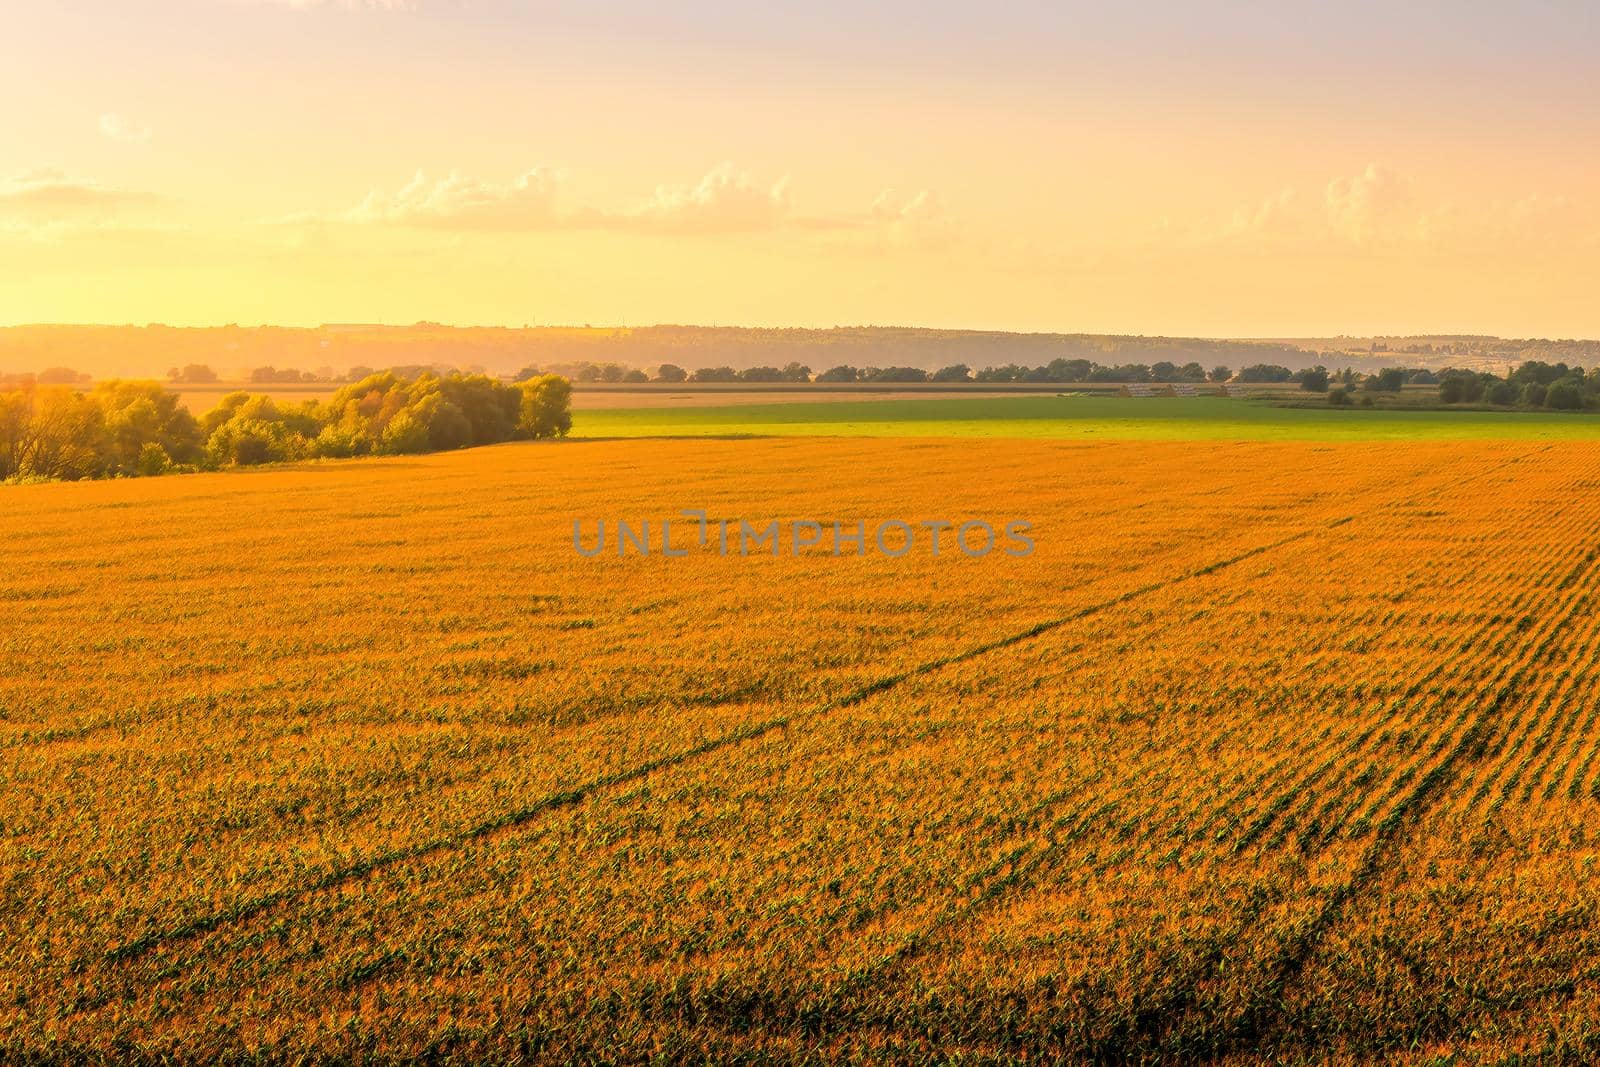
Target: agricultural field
[
  {"x": 1078, "y": 416},
  {"x": 1272, "y": 750}
]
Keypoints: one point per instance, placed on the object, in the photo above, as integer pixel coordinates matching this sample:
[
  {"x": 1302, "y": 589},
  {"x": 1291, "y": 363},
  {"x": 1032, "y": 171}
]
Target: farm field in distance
[
  {"x": 1273, "y": 749},
  {"x": 1082, "y": 417}
]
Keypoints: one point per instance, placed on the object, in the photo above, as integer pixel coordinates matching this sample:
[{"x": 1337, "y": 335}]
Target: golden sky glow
[{"x": 1251, "y": 170}]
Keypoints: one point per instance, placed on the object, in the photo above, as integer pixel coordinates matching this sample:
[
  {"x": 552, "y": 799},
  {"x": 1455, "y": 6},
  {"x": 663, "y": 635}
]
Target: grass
[{"x": 1082, "y": 417}]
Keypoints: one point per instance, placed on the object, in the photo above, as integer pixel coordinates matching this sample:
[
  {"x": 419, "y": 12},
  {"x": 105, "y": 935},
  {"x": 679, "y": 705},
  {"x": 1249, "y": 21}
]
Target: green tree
[
  {"x": 247, "y": 442},
  {"x": 270, "y": 375},
  {"x": 446, "y": 426},
  {"x": 153, "y": 460},
  {"x": 1564, "y": 395},
  {"x": 899, "y": 374},
  {"x": 141, "y": 413},
  {"x": 1265, "y": 372},
  {"x": 16, "y": 429},
  {"x": 245, "y": 430},
  {"x": 1068, "y": 370},
  {"x": 491, "y": 408},
  {"x": 1314, "y": 380},
  {"x": 193, "y": 373},
  {"x": 405, "y": 434},
  {"x": 546, "y": 407},
  {"x": 50, "y": 432},
  {"x": 1387, "y": 380}
]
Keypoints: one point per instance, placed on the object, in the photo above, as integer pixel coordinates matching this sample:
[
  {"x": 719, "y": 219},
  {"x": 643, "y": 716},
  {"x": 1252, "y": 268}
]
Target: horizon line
[{"x": 530, "y": 327}]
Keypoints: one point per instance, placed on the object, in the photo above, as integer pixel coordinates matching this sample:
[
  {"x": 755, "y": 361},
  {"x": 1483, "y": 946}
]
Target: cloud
[
  {"x": 1377, "y": 212},
  {"x": 1374, "y": 206},
  {"x": 1369, "y": 205},
  {"x": 45, "y": 197},
  {"x": 923, "y": 206},
  {"x": 119, "y": 128},
  {"x": 1542, "y": 219},
  {"x": 461, "y": 203},
  {"x": 1274, "y": 215},
  {"x": 723, "y": 201},
  {"x": 919, "y": 219}
]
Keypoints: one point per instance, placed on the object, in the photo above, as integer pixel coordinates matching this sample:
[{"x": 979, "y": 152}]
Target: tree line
[
  {"x": 105, "y": 351},
  {"x": 1534, "y": 384},
  {"x": 110, "y": 351},
  {"x": 585, "y": 372},
  {"x": 1058, "y": 371},
  {"x": 130, "y": 428}
]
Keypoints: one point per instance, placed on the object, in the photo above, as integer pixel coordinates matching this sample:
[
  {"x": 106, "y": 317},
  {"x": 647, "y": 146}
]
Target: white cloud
[
  {"x": 49, "y": 204},
  {"x": 923, "y": 206},
  {"x": 122, "y": 129},
  {"x": 50, "y": 195},
  {"x": 457, "y": 202},
  {"x": 1369, "y": 205},
  {"x": 919, "y": 219},
  {"x": 723, "y": 201},
  {"x": 1378, "y": 210},
  {"x": 1271, "y": 216}
]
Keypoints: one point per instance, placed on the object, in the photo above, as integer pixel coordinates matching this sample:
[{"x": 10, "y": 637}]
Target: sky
[{"x": 1246, "y": 169}]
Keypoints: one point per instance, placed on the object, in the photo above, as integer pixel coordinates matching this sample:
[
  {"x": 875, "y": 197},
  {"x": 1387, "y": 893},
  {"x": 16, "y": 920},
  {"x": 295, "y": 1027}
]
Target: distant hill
[
  {"x": 1471, "y": 351},
  {"x": 148, "y": 351}
]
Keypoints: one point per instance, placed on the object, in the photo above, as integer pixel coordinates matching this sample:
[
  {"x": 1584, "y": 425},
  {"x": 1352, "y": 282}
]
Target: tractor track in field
[
  {"x": 1017, "y": 866},
  {"x": 1470, "y": 746},
  {"x": 1132, "y": 1038},
  {"x": 1510, "y": 638},
  {"x": 577, "y": 794},
  {"x": 1144, "y": 1031},
  {"x": 148, "y": 942}
]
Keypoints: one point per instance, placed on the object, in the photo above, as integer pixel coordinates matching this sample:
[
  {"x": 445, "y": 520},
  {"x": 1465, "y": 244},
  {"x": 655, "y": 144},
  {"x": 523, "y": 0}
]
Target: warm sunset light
[
  {"x": 793, "y": 534},
  {"x": 1236, "y": 170}
]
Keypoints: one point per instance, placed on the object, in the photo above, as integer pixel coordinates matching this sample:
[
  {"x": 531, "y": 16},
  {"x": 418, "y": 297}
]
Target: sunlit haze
[{"x": 1256, "y": 170}]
